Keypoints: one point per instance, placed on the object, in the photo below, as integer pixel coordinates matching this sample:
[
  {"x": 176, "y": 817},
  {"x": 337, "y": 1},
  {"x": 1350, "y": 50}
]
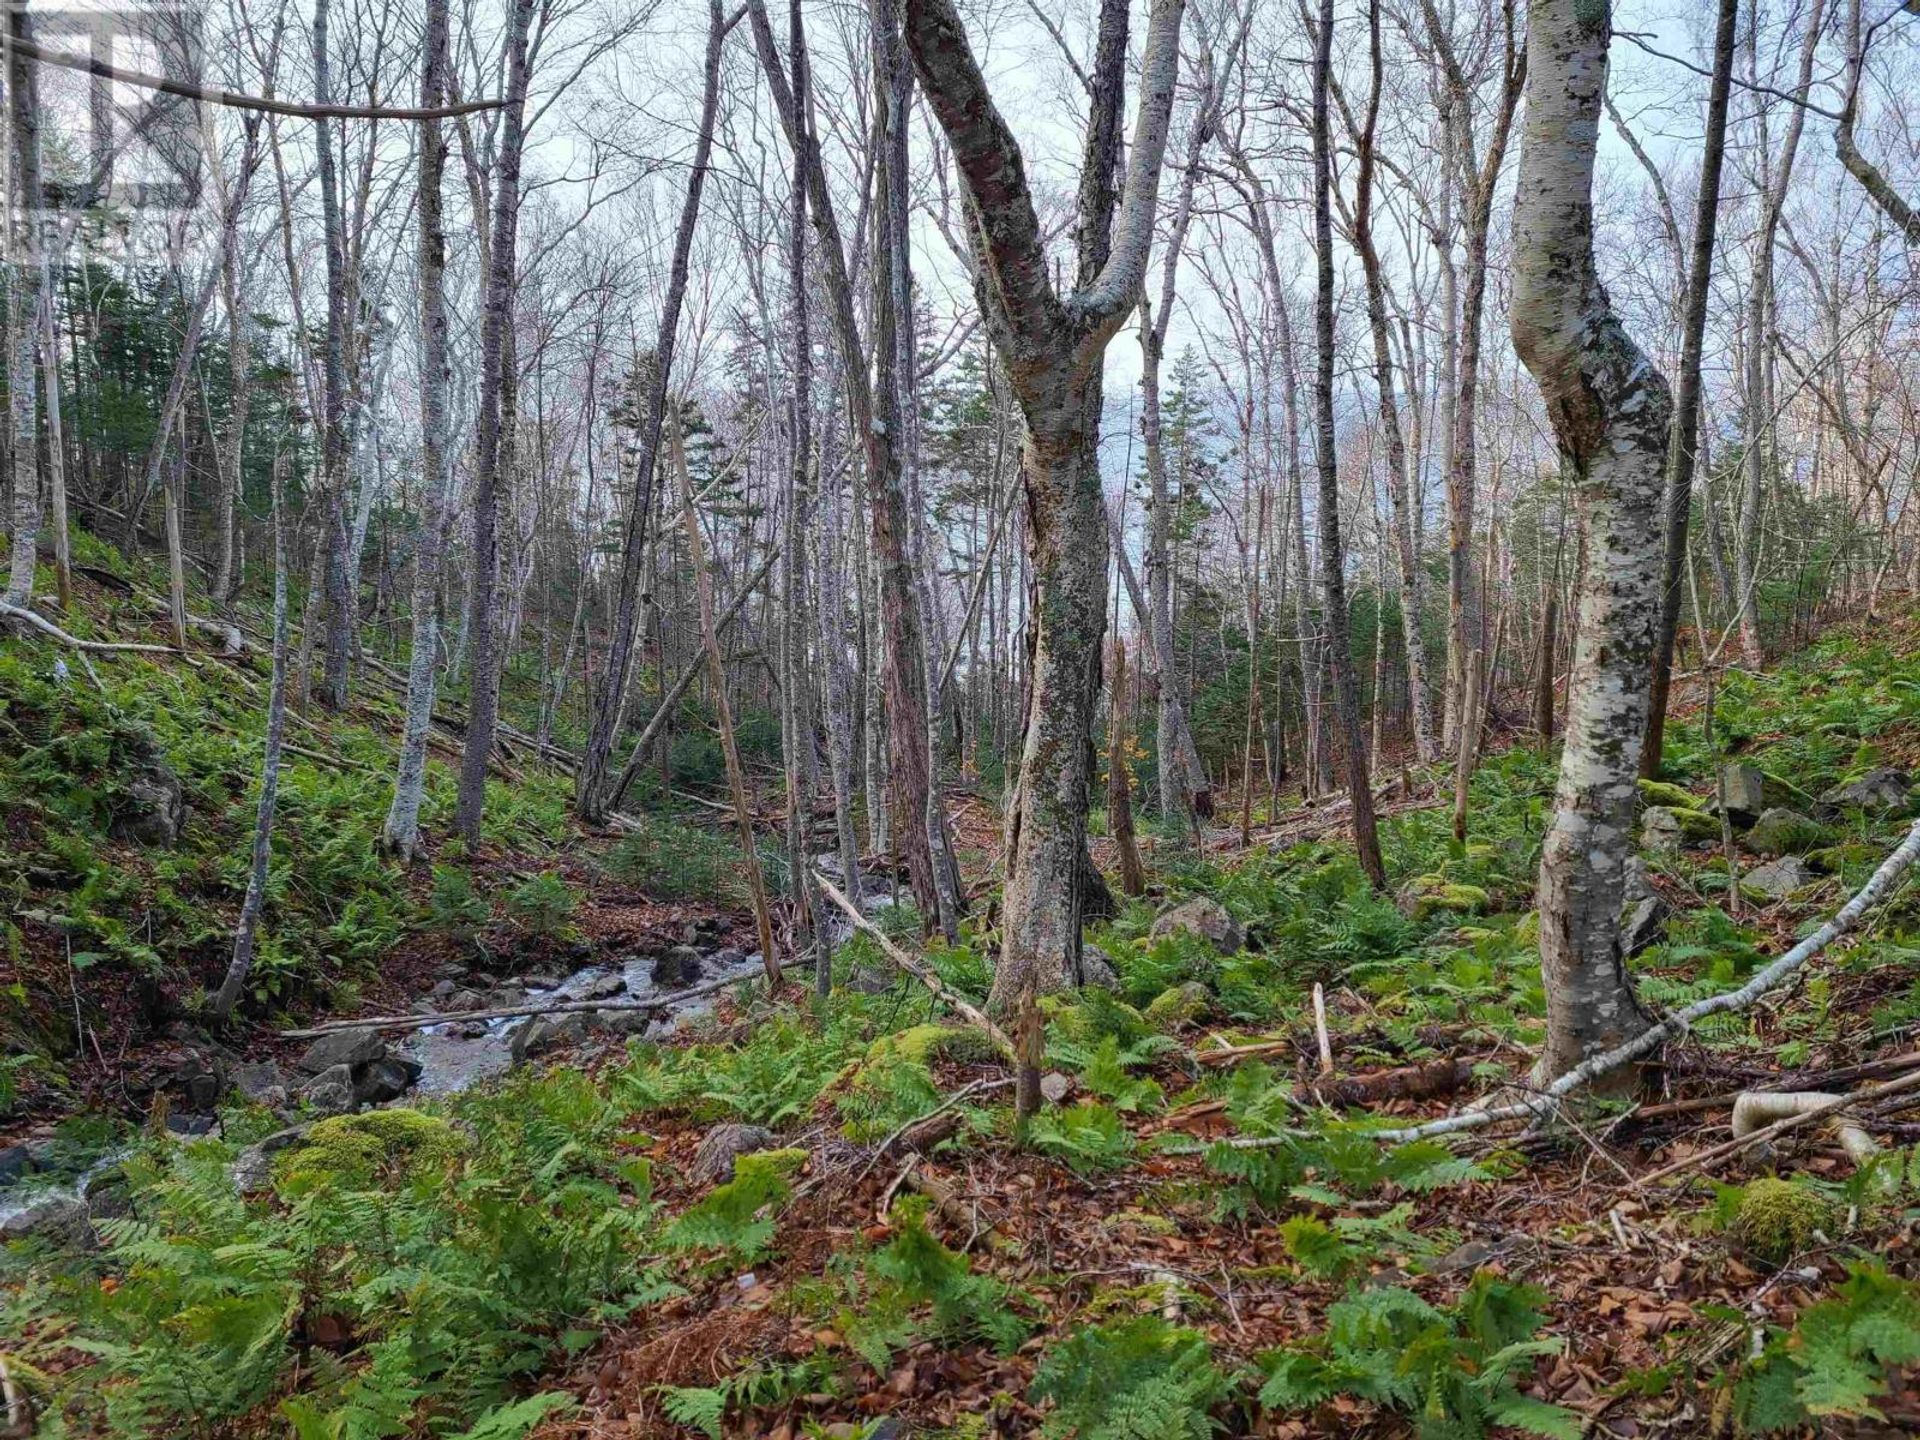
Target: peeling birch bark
[{"x": 1610, "y": 410}]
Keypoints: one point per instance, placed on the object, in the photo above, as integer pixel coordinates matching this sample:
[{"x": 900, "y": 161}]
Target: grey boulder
[
  {"x": 1207, "y": 919},
  {"x": 331, "y": 1092},
  {"x": 1878, "y": 789},
  {"x": 677, "y": 967},
  {"x": 342, "y": 1047},
  {"x": 1778, "y": 878},
  {"x": 724, "y": 1144}
]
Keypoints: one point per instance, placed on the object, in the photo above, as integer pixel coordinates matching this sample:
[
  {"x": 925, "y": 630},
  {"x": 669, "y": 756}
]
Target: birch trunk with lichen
[{"x": 1609, "y": 409}]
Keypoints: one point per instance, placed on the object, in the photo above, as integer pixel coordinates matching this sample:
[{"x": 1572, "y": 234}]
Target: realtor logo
[{"x": 106, "y": 142}]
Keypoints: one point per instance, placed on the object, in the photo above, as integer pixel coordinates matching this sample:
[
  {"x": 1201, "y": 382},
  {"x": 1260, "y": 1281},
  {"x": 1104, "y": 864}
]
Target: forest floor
[{"x": 803, "y": 1217}]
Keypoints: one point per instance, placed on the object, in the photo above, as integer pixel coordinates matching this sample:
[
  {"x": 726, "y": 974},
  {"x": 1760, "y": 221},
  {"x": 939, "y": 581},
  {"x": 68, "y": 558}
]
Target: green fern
[
  {"x": 737, "y": 1218},
  {"x": 1454, "y": 1371},
  {"x": 1136, "y": 1379}
]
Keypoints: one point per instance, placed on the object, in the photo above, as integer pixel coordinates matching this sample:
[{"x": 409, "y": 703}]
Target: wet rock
[
  {"x": 58, "y": 1220},
  {"x": 444, "y": 990},
  {"x": 1780, "y": 831},
  {"x": 252, "y": 1169},
  {"x": 1779, "y": 878},
  {"x": 109, "y": 1195},
  {"x": 725, "y": 958},
  {"x": 1207, "y": 919},
  {"x": 331, "y": 1091},
  {"x": 1878, "y": 789},
  {"x": 16, "y": 1161},
  {"x": 1097, "y": 968},
  {"x": 342, "y": 1047},
  {"x": 540, "y": 980},
  {"x": 462, "y": 1002},
  {"x": 679, "y": 966},
  {"x": 623, "y": 1023},
  {"x": 190, "y": 1126},
  {"x": 152, "y": 808},
  {"x": 1644, "y": 924},
  {"x": 603, "y": 987},
  {"x": 541, "y": 1033},
  {"x": 724, "y": 1144},
  {"x": 385, "y": 1079},
  {"x": 474, "y": 1030}
]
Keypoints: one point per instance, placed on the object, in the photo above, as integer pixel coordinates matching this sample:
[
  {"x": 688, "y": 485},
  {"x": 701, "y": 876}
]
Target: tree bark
[
  {"x": 1610, "y": 411},
  {"x": 1683, "y": 448},
  {"x": 23, "y": 286},
  {"x": 1333, "y": 560},
  {"x": 401, "y": 832},
  {"x": 245, "y": 933},
  {"x": 1052, "y": 348},
  {"x": 493, "y": 442}
]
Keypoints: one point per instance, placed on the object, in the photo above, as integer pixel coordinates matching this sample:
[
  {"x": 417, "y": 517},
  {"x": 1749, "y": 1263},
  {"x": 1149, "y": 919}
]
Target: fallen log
[
  {"x": 1410, "y": 1082},
  {"x": 1824, "y": 1109}
]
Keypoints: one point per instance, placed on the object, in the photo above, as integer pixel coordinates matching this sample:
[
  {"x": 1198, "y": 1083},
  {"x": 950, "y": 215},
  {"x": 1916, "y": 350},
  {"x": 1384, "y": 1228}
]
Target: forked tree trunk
[
  {"x": 1052, "y": 347},
  {"x": 1610, "y": 409},
  {"x": 401, "y": 833}
]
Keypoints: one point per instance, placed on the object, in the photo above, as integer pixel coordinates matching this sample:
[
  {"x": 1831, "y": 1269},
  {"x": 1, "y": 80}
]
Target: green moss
[
  {"x": 925, "y": 1043},
  {"x": 1834, "y": 858},
  {"x": 1434, "y": 894},
  {"x": 1786, "y": 832},
  {"x": 1696, "y": 826},
  {"x": 1178, "y": 1005},
  {"x": 1526, "y": 930},
  {"x": 1779, "y": 1218},
  {"x": 1673, "y": 797},
  {"x": 357, "y": 1150}
]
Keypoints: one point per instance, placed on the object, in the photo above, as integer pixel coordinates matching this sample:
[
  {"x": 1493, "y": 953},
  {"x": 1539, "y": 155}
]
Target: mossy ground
[{"x": 770, "y": 1310}]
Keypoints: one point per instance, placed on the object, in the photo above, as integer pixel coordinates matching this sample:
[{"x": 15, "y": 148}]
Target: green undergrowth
[
  {"x": 143, "y": 916},
  {"x": 419, "y": 1276}
]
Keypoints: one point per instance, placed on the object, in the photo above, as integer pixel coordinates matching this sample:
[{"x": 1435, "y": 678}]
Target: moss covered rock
[
  {"x": 1776, "y": 1219},
  {"x": 356, "y": 1151},
  {"x": 1781, "y": 831},
  {"x": 923, "y": 1044},
  {"x": 1673, "y": 797},
  {"x": 1179, "y": 1005},
  {"x": 1428, "y": 895}
]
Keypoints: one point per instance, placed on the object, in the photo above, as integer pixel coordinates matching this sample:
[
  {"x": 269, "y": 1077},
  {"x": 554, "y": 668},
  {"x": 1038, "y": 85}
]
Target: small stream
[{"x": 460, "y": 1053}]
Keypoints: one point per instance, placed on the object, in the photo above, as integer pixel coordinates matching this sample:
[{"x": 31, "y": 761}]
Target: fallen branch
[
  {"x": 1545, "y": 1101},
  {"x": 1753, "y": 1111},
  {"x": 1818, "y": 1079},
  {"x": 1714, "y": 1156},
  {"x": 74, "y": 642},
  {"x": 966, "y": 1008}
]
